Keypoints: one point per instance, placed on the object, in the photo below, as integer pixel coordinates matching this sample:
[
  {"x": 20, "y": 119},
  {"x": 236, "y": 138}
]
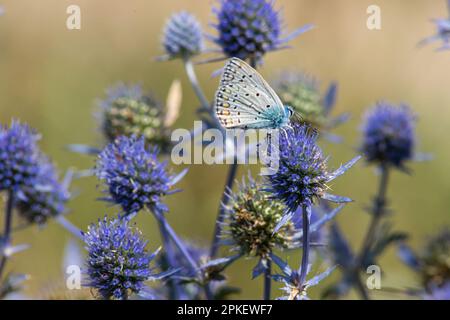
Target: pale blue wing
[{"x": 245, "y": 100}]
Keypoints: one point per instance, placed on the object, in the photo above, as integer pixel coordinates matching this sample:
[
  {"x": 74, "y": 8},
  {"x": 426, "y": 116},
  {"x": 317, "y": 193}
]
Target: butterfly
[{"x": 245, "y": 100}]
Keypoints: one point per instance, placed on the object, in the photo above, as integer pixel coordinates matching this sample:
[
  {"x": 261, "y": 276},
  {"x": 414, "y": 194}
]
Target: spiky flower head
[
  {"x": 46, "y": 199},
  {"x": 301, "y": 92},
  {"x": 183, "y": 36},
  {"x": 251, "y": 218},
  {"x": 248, "y": 29},
  {"x": 134, "y": 176},
  {"x": 303, "y": 176},
  {"x": 118, "y": 263},
  {"x": 19, "y": 156},
  {"x": 128, "y": 111},
  {"x": 388, "y": 134}
]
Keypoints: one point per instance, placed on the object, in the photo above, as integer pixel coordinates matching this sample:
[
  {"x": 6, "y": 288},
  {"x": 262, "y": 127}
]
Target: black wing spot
[
  {"x": 268, "y": 106},
  {"x": 257, "y": 94}
]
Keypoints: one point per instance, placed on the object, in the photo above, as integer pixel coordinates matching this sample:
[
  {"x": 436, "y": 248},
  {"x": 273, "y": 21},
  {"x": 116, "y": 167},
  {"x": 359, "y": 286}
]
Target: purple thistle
[
  {"x": 183, "y": 36},
  {"x": 134, "y": 176},
  {"x": 303, "y": 175},
  {"x": 442, "y": 32},
  {"x": 388, "y": 134},
  {"x": 44, "y": 200},
  {"x": 19, "y": 156},
  {"x": 248, "y": 29},
  {"x": 118, "y": 263}
]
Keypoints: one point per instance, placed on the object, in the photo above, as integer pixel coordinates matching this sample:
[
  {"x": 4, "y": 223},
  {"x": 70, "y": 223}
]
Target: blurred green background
[{"x": 50, "y": 77}]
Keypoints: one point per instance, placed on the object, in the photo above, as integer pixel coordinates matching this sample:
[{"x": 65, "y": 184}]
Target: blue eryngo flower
[
  {"x": 248, "y": 29},
  {"x": 135, "y": 178},
  {"x": 46, "y": 199},
  {"x": 118, "y": 263},
  {"x": 251, "y": 218},
  {"x": 293, "y": 287},
  {"x": 183, "y": 36},
  {"x": 388, "y": 135},
  {"x": 303, "y": 175},
  {"x": 127, "y": 111},
  {"x": 19, "y": 156}
]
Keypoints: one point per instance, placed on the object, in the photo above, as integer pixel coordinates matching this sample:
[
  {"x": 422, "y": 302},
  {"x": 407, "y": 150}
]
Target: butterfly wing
[{"x": 245, "y": 100}]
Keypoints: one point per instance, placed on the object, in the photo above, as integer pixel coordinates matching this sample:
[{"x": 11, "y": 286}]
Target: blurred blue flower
[
  {"x": 46, "y": 199},
  {"x": 134, "y": 176},
  {"x": 19, "y": 156},
  {"x": 118, "y": 263},
  {"x": 248, "y": 29},
  {"x": 183, "y": 36},
  {"x": 302, "y": 176},
  {"x": 388, "y": 134}
]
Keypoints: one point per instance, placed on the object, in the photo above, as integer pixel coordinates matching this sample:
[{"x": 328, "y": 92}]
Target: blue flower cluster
[
  {"x": 248, "y": 29},
  {"x": 183, "y": 36},
  {"x": 389, "y": 135},
  {"x": 19, "y": 156},
  {"x": 118, "y": 263},
  {"x": 134, "y": 176},
  {"x": 44, "y": 200}
]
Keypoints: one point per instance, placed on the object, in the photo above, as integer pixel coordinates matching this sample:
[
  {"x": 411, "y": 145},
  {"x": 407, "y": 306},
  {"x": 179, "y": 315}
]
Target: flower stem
[
  {"x": 223, "y": 203},
  {"x": 175, "y": 290},
  {"x": 7, "y": 229},
  {"x": 190, "y": 71},
  {"x": 69, "y": 226},
  {"x": 378, "y": 209},
  {"x": 167, "y": 232},
  {"x": 305, "y": 243},
  {"x": 268, "y": 280}
]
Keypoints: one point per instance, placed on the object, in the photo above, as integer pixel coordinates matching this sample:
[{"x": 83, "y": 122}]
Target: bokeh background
[{"x": 50, "y": 77}]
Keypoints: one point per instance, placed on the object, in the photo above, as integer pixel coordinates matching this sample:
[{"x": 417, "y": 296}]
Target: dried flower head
[
  {"x": 251, "y": 218},
  {"x": 127, "y": 111}
]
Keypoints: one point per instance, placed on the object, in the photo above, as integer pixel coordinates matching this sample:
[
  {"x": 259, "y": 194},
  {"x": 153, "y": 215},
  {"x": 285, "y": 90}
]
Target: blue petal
[
  {"x": 259, "y": 268},
  {"x": 336, "y": 199},
  {"x": 330, "y": 97},
  {"x": 83, "y": 149},
  {"x": 315, "y": 280},
  {"x": 282, "y": 265},
  {"x": 342, "y": 169}
]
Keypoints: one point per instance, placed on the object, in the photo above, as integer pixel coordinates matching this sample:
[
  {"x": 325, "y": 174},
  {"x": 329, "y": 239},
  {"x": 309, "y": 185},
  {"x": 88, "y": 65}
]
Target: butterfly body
[{"x": 245, "y": 100}]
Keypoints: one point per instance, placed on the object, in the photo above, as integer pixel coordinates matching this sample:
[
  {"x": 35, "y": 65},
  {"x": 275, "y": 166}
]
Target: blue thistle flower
[
  {"x": 183, "y": 36},
  {"x": 302, "y": 176},
  {"x": 248, "y": 29},
  {"x": 44, "y": 200},
  {"x": 118, "y": 263},
  {"x": 388, "y": 134},
  {"x": 134, "y": 176},
  {"x": 19, "y": 156}
]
